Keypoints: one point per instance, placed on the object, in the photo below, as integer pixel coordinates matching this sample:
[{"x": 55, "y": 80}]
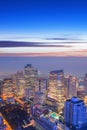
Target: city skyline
[{"x": 43, "y": 64}]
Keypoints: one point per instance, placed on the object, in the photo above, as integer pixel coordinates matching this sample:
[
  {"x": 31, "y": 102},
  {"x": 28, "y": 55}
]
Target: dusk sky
[
  {"x": 43, "y": 18},
  {"x": 44, "y": 28}
]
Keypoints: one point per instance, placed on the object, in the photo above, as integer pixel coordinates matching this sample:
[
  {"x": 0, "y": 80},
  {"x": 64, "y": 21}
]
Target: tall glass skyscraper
[
  {"x": 75, "y": 113},
  {"x": 56, "y": 89},
  {"x": 85, "y": 83},
  {"x": 72, "y": 83},
  {"x": 31, "y": 75}
]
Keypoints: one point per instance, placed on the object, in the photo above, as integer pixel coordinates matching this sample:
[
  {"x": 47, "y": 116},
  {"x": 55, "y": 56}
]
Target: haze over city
[{"x": 70, "y": 65}]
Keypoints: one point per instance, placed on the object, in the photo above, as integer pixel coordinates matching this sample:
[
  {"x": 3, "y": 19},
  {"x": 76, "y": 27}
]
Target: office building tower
[
  {"x": 75, "y": 113},
  {"x": 72, "y": 86},
  {"x": 14, "y": 81},
  {"x": 42, "y": 84},
  {"x": 1, "y": 87},
  {"x": 18, "y": 81},
  {"x": 31, "y": 75},
  {"x": 66, "y": 78},
  {"x": 56, "y": 89},
  {"x": 36, "y": 85},
  {"x": 85, "y": 83},
  {"x": 7, "y": 87}
]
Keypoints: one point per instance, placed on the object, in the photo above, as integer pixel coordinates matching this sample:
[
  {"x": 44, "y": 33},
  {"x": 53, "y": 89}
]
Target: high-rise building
[
  {"x": 20, "y": 84},
  {"x": 31, "y": 75},
  {"x": 72, "y": 86},
  {"x": 75, "y": 113},
  {"x": 7, "y": 88},
  {"x": 42, "y": 84},
  {"x": 1, "y": 87},
  {"x": 18, "y": 81},
  {"x": 85, "y": 83},
  {"x": 56, "y": 89}
]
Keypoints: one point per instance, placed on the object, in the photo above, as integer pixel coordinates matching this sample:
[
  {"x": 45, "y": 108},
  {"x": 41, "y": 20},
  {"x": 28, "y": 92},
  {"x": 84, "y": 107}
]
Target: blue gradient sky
[
  {"x": 43, "y": 18},
  {"x": 47, "y": 22}
]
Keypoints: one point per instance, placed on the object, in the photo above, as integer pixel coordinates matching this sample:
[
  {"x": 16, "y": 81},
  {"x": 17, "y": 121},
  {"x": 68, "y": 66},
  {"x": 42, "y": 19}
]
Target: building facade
[
  {"x": 75, "y": 113},
  {"x": 56, "y": 89},
  {"x": 30, "y": 74},
  {"x": 85, "y": 83},
  {"x": 72, "y": 86},
  {"x": 7, "y": 87}
]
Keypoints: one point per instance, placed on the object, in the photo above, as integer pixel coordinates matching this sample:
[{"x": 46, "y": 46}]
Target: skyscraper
[
  {"x": 85, "y": 83},
  {"x": 7, "y": 88},
  {"x": 56, "y": 88},
  {"x": 31, "y": 75},
  {"x": 19, "y": 83},
  {"x": 71, "y": 88},
  {"x": 42, "y": 84},
  {"x": 1, "y": 87},
  {"x": 75, "y": 113}
]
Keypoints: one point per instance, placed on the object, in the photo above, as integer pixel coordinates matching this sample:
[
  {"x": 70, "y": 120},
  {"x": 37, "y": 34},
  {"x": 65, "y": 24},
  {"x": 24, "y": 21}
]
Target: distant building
[
  {"x": 1, "y": 87},
  {"x": 7, "y": 87},
  {"x": 75, "y": 113},
  {"x": 20, "y": 87},
  {"x": 72, "y": 86},
  {"x": 85, "y": 83},
  {"x": 30, "y": 74},
  {"x": 80, "y": 89},
  {"x": 18, "y": 83},
  {"x": 42, "y": 84}
]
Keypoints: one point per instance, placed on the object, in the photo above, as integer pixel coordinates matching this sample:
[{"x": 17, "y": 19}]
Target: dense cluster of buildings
[{"x": 55, "y": 90}]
